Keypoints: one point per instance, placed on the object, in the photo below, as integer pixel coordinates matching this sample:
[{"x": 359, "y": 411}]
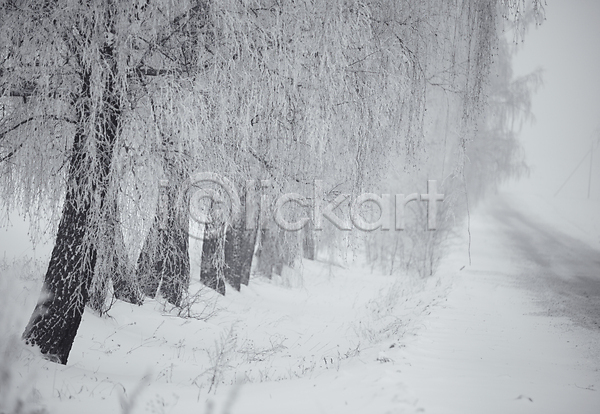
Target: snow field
[
  {"x": 322, "y": 338},
  {"x": 327, "y": 338}
]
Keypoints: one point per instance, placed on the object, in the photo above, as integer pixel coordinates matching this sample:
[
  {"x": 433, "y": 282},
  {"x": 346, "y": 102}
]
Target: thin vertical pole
[{"x": 591, "y": 165}]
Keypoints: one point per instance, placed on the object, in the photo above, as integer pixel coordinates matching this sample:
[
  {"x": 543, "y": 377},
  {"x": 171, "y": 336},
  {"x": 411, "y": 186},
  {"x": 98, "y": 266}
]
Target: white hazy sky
[{"x": 567, "y": 108}]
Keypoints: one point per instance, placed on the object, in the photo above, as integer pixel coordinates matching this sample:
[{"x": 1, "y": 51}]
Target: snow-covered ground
[
  {"x": 491, "y": 347},
  {"x": 489, "y": 337},
  {"x": 578, "y": 218}
]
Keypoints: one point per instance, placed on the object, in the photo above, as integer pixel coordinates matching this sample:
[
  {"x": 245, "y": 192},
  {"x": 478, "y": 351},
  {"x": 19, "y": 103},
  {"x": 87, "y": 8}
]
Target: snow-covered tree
[
  {"x": 75, "y": 78},
  {"x": 102, "y": 100},
  {"x": 336, "y": 90},
  {"x": 467, "y": 160}
]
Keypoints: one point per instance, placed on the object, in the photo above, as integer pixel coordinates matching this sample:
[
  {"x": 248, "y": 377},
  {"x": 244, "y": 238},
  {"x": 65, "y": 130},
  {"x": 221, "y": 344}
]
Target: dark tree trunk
[
  {"x": 211, "y": 267},
  {"x": 212, "y": 262},
  {"x": 309, "y": 245},
  {"x": 239, "y": 249},
  {"x": 164, "y": 260},
  {"x": 57, "y": 315},
  {"x": 227, "y": 252},
  {"x": 174, "y": 249},
  {"x": 272, "y": 253}
]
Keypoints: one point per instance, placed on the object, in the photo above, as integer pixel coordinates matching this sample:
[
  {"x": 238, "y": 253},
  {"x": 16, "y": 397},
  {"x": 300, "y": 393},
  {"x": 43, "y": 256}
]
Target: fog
[{"x": 567, "y": 107}]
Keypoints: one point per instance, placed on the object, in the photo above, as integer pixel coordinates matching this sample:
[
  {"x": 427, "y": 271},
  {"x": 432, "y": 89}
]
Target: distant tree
[
  {"x": 468, "y": 160},
  {"x": 495, "y": 155},
  {"x": 336, "y": 90}
]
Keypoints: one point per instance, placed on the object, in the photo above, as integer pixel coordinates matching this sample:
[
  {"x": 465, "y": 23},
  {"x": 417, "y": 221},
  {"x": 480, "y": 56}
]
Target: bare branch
[
  {"x": 33, "y": 118},
  {"x": 24, "y": 122},
  {"x": 148, "y": 71},
  {"x": 12, "y": 153}
]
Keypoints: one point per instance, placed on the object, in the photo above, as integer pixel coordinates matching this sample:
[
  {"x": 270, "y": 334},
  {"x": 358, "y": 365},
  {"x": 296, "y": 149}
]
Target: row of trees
[
  {"x": 491, "y": 156},
  {"x": 108, "y": 107}
]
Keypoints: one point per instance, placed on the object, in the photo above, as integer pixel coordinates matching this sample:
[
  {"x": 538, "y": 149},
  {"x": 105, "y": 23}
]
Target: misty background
[
  {"x": 567, "y": 107},
  {"x": 557, "y": 145}
]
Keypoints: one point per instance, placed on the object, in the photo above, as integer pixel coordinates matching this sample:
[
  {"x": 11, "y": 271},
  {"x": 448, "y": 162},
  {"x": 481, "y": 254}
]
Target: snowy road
[
  {"x": 564, "y": 271},
  {"x": 518, "y": 332}
]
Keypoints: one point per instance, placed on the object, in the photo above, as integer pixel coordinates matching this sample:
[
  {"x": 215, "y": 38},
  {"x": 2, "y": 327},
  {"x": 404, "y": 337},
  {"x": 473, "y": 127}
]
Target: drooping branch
[
  {"x": 22, "y": 123},
  {"x": 34, "y": 118},
  {"x": 148, "y": 71}
]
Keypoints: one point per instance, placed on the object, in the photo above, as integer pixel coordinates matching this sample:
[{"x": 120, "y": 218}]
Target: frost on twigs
[{"x": 219, "y": 360}]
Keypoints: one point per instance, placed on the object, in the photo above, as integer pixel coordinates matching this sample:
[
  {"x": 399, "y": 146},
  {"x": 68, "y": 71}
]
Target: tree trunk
[
  {"x": 57, "y": 315},
  {"x": 164, "y": 260},
  {"x": 113, "y": 263},
  {"x": 174, "y": 248},
  {"x": 273, "y": 252},
  {"x": 227, "y": 253},
  {"x": 239, "y": 249},
  {"x": 211, "y": 265},
  {"x": 309, "y": 245}
]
